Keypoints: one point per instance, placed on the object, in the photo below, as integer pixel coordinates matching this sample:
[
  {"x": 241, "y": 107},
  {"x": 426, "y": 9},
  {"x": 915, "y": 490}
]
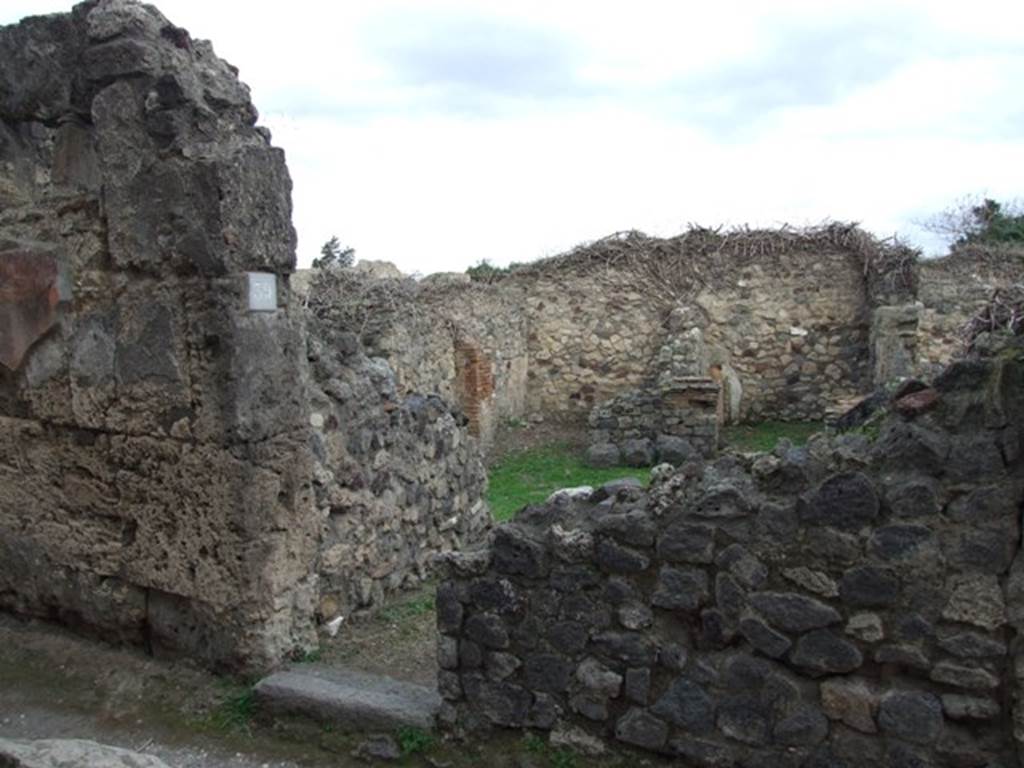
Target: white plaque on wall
[{"x": 262, "y": 292}]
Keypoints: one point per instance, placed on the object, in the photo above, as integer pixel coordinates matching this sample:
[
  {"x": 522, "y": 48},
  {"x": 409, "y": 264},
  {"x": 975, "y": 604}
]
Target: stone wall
[
  {"x": 793, "y": 323},
  {"x": 399, "y": 478},
  {"x": 954, "y": 288},
  {"x": 462, "y": 341},
  {"x": 154, "y": 434},
  {"x": 643, "y": 427},
  {"x": 587, "y": 340},
  {"x": 845, "y": 604}
]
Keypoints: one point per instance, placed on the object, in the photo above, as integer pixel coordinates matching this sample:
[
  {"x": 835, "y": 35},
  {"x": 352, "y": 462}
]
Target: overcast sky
[{"x": 437, "y": 134}]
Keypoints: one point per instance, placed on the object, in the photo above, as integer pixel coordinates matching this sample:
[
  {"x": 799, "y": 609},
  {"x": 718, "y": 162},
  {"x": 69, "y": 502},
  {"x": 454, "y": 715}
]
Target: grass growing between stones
[
  {"x": 764, "y": 436},
  {"x": 530, "y": 476},
  {"x": 407, "y": 610},
  {"x": 235, "y": 710}
]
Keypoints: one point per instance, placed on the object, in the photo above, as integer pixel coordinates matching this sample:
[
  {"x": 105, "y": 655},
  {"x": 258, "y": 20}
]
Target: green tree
[
  {"x": 995, "y": 223},
  {"x": 977, "y": 220},
  {"x": 333, "y": 255}
]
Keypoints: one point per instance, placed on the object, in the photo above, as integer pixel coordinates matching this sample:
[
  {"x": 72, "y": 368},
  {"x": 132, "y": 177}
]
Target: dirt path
[
  {"x": 400, "y": 641},
  {"x": 56, "y": 685}
]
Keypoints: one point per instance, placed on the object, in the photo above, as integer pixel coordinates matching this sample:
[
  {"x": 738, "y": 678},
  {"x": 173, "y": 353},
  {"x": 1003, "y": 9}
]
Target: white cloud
[{"x": 437, "y": 134}]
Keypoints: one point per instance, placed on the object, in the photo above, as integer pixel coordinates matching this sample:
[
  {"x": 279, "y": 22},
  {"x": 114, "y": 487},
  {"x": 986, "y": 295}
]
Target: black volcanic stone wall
[{"x": 853, "y": 602}]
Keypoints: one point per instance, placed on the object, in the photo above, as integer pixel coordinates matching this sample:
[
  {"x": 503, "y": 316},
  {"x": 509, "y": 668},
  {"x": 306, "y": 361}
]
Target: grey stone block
[{"x": 350, "y": 701}]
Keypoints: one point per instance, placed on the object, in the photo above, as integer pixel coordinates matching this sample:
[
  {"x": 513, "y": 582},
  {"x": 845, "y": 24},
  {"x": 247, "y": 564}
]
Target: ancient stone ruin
[
  {"x": 674, "y": 415},
  {"x": 183, "y": 465},
  {"x": 848, "y": 603},
  {"x": 790, "y": 325},
  {"x": 207, "y": 454}
]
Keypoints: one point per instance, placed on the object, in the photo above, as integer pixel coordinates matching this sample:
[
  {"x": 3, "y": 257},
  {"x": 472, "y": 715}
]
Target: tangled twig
[{"x": 1004, "y": 313}]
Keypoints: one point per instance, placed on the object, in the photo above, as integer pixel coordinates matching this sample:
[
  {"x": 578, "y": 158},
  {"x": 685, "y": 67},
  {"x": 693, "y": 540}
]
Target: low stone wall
[
  {"x": 645, "y": 427},
  {"x": 844, "y": 604}
]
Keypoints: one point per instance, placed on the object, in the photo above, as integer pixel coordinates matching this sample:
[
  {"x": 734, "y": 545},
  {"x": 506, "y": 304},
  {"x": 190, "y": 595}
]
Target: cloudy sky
[{"x": 437, "y": 134}]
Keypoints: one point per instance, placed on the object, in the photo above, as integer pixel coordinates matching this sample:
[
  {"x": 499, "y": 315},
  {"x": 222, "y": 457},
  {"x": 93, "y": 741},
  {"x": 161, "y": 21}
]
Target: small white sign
[{"x": 262, "y": 292}]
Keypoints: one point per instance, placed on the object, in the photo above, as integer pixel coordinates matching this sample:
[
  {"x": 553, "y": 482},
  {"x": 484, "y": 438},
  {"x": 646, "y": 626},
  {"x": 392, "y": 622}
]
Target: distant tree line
[
  {"x": 332, "y": 254},
  {"x": 980, "y": 221}
]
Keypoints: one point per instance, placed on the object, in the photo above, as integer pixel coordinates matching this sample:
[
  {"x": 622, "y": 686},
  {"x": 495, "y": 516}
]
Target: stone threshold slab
[{"x": 348, "y": 700}]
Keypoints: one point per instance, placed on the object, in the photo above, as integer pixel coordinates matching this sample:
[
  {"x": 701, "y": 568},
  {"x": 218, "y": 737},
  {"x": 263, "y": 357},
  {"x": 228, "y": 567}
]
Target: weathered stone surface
[
  {"x": 792, "y": 612},
  {"x": 348, "y": 700},
  {"x": 731, "y": 599},
  {"x": 633, "y": 528},
  {"x": 687, "y": 543},
  {"x": 962, "y": 676},
  {"x": 833, "y": 547},
  {"x": 544, "y": 713},
  {"x": 917, "y": 403},
  {"x": 547, "y": 672},
  {"x": 597, "y": 678},
  {"x": 604, "y": 455},
  {"x": 501, "y": 666},
  {"x": 748, "y": 570},
  {"x": 687, "y": 705},
  {"x": 765, "y": 639},
  {"x": 577, "y": 740},
  {"x": 673, "y": 449},
  {"x": 898, "y": 542},
  {"x": 572, "y": 546},
  {"x": 972, "y": 645},
  {"x": 805, "y": 727},
  {"x": 844, "y": 501},
  {"x": 913, "y": 447},
  {"x": 488, "y": 630},
  {"x": 681, "y": 589},
  {"x": 824, "y": 651},
  {"x": 377, "y": 747},
  {"x": 865, "y": 626},
  {"x": 499, "y": 703},
  {"x": 638, "y": 453},
  {"x": 640, "y": 729},
  {"x": 959, "y": 707},
  {"x": 913, "y": 498},
  {"x": 568, "y": 636},
  {"x": 868, "y": 586},
  {"x": 913, "y": 716},
  {"x": 743, "y": 719},
  {"x": 615, "y": 558},
  {"x": 813, "y": 581},
  {"x": 850, "y": 701},
  {"x": 630, "y": 648},
  {"x": 515, "y": 553},
  {"x": 976, "y": 600},
  {"x": 903, "y": 655},
  {"x": 638, "y": 685},
  {"x": 447, "y": 652},
  {"x": 66, "y": 753}
]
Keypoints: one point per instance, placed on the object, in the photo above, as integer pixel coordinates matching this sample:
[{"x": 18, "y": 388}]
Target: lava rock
[
  {"x": 913, "y": 716},
  {"x": 824, "y": 651},
  {"x": 792, "y": 612}
]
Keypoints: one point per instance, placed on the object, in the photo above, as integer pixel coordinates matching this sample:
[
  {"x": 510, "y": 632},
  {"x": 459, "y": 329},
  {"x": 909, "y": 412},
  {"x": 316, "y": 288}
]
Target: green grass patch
[
  {"x": 235, "y": 710},
  {"x": 398, "y": 613},
  {"x": 764, "y": 436},
  {"x": 529, "y": 477},
  {"x": 413, "y": 741}
]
